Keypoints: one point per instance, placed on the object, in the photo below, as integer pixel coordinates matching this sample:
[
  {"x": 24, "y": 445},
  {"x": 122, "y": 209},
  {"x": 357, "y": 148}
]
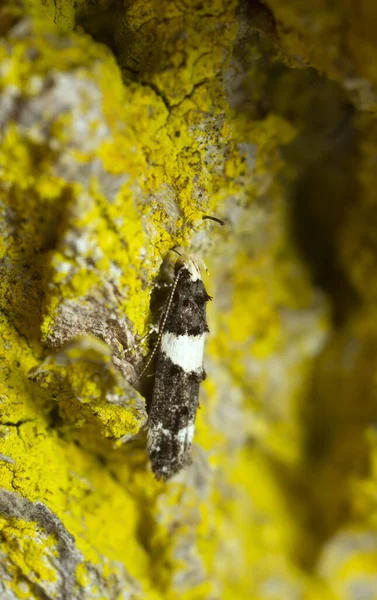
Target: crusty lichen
[
  {"x": 115, "y": 175},
  {"x": 110, "y": 155}
]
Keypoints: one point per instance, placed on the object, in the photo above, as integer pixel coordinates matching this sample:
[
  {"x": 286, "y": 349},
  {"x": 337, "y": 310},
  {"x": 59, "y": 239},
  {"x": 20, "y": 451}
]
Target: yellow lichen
[{"x": 93, "y": 218}]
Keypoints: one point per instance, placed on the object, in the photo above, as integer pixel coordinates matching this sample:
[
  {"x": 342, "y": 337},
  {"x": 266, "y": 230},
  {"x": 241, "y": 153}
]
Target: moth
[{"x": 178, "y": 371}]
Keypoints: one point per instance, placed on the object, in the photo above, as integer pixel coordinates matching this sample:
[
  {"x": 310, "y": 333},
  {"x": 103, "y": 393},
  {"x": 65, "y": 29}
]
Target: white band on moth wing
[
  {"x": 185, "y": 435},
  {"x": 185, "y": 351}
]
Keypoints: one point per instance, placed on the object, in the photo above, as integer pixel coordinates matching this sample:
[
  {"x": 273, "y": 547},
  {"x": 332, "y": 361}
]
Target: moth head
[{"x": 192, "y": 263}]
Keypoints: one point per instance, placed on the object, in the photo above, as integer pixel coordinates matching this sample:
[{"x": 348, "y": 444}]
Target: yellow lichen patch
[
  {"x": 60, "y": 13},
  {"x": 25, "y": 165},
  {"x": 80, "y": 479},
  {"x": 16, "y": 360},
  {"x": 24, "y": 151},
  {"x": 86, "y": 497},
  {"x": 193, "y": 58},
  {"x": 258, "y": 531},
  {"x": 91, "y": 397},
  {"x": 101, "y": 177},
  {"x": 33, "y": 222},
  {"x": 257, "y": 147},
  {"x": 25, "y": 443},
  {"x": 28, "y": 554},
  {"x": 109, "y": 514}
]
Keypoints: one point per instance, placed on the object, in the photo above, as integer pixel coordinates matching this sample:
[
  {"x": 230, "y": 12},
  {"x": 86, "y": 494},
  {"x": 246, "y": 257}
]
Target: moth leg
[
  {"x": 155, "y": 328},
  {"x": 152, "y": 329}
]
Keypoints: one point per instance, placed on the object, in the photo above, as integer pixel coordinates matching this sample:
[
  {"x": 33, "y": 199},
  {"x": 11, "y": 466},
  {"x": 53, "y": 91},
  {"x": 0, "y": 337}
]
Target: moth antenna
[
  {"x": 161, "y": 328},
  {"x": 222, "y": 223}
]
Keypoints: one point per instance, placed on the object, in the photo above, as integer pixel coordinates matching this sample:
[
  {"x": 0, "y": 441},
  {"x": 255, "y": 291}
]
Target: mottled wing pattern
[
  {"x": 178, "y": 373},
  {"x": 172, "y": 418}
]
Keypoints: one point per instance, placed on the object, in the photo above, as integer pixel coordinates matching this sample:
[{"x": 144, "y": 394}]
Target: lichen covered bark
[{"x": 122, "y": 124}]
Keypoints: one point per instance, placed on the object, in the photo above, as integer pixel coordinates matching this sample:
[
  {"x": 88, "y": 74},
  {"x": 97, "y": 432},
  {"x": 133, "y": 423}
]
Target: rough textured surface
[{"x": 121, "y": 124}]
